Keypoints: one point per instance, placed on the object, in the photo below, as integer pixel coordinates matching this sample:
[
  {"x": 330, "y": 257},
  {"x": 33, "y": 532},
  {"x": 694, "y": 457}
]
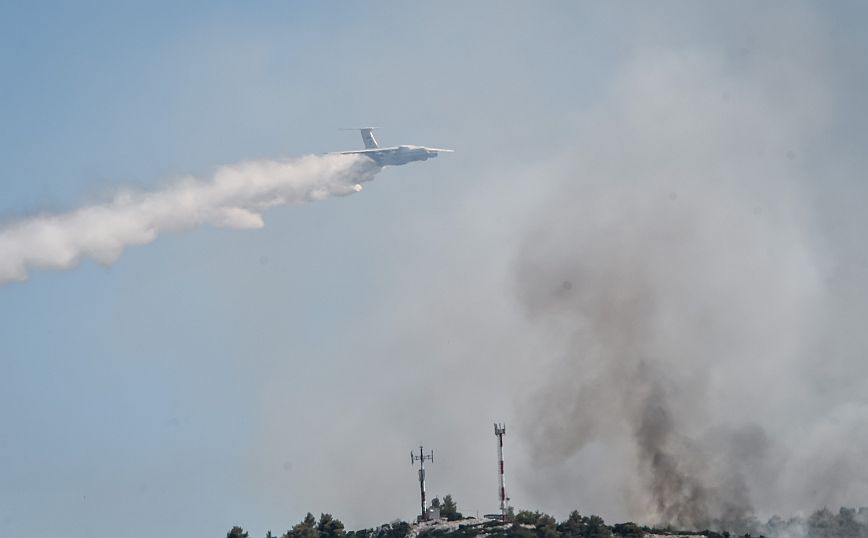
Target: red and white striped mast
[{"x": 500, "y": 431}]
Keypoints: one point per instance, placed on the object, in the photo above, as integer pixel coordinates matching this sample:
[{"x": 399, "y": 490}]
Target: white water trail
[{"x": 234, "y": 197}]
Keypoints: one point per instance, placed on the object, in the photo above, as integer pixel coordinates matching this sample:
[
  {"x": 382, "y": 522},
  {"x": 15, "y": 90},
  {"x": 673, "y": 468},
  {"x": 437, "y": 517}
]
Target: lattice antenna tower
[{"x": 421, "y": 457}]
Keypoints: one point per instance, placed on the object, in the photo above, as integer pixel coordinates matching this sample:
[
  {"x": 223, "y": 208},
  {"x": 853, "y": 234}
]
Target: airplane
[{"x": 391, "y": 156}]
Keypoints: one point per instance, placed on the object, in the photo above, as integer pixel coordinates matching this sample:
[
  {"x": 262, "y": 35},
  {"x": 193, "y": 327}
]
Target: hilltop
[{"x": 846, "y": 523}]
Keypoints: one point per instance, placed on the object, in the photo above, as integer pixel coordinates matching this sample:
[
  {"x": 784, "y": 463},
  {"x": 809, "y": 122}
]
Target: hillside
[{"x": 823, "y": 523}]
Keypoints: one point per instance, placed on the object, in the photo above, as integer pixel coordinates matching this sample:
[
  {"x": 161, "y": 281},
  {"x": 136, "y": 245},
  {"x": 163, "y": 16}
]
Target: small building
[{"x": 432, "y": 513}]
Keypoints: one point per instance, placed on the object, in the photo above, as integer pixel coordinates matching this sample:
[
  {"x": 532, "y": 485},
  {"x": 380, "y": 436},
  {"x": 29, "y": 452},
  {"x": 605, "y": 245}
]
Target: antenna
[
  {"x": 499, "y": 432},
  {"x": 421, "y": 457}
]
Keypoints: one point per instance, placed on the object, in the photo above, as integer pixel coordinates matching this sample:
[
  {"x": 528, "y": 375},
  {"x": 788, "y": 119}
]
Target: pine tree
[
  {"x": 449, "y": 509},
  {"x": 236, "y": 532}
]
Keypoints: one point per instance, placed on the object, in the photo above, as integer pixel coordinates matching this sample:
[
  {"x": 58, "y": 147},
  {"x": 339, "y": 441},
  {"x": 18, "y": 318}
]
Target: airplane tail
[{"x": 367, "y": 136}]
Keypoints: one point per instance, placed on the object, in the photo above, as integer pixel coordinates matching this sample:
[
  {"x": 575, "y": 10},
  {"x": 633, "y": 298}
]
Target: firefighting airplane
[{"x": 392, "y": 156}]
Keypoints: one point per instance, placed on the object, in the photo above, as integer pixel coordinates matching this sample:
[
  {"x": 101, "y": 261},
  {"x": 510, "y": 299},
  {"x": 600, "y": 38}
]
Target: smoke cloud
[
  {"x": 679, "y": 280},
  {"x": 235, "y": 197}
]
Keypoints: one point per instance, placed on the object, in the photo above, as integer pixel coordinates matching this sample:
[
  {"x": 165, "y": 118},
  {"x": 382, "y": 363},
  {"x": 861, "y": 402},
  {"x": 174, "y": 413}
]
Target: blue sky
[
  {"x": 219, "y": 377},
  {"x": 129, "y": 390}
]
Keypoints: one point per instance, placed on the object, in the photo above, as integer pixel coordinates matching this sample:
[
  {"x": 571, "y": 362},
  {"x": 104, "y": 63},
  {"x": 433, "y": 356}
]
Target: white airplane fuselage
[{"x": 395, "y": 155}]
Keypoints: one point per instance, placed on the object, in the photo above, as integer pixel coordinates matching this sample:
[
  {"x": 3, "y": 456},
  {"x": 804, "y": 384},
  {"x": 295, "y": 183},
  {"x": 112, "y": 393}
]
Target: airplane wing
[
  {"x": 364, "y": 151},
  {"x": 441, "y": 150}
]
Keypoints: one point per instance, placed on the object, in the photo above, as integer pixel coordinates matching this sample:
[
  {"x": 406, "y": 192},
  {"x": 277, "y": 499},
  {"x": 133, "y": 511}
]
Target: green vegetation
[
  {"x": 449, "y": 509},
  {"x": 306, "y": 529},
  {"x": 236, "y": 532},
  {"x": 525, "y": 524},
  {"x": 846, "y": 523}
]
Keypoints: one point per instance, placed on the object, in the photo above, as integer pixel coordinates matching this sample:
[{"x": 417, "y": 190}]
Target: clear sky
[{"x": 220, "y": 377}]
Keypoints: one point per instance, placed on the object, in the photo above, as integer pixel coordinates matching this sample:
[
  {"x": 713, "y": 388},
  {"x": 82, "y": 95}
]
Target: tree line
[{"x": 846, "y": 523}]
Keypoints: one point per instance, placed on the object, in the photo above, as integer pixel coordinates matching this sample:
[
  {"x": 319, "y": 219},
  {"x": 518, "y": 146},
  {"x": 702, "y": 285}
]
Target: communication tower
[
  {"x": 499, "y": 432},
  {"x": 421, "y": 457}
]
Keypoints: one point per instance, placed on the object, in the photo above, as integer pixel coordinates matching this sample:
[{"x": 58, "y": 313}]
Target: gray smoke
[
  {"x": 679, "y": 497},
  {"x": 677, "y": 278},
  {"x": 234, "y": 197}
]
